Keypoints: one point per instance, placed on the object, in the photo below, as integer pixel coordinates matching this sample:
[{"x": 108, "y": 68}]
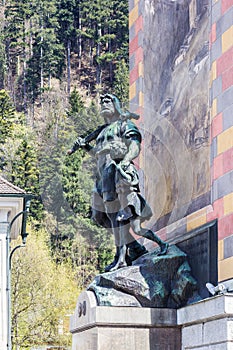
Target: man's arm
[
  {"x": 132, "y": 138},
  {"x": 80, "y": 143},
  {"x": 133, "y": 152},
  {"x": 83, "y": 143}
]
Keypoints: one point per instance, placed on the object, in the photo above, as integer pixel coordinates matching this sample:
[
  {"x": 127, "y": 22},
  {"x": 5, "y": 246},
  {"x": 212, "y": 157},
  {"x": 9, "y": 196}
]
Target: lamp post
[{"x": 9, "y": 255}]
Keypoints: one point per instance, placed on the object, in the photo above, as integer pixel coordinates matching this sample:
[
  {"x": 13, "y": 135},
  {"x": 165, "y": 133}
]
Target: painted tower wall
[{"x": 181, "y": 83}]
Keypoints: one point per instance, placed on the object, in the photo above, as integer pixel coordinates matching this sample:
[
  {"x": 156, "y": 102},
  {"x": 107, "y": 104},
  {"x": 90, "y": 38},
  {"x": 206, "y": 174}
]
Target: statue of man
[{"x": 117, "y": 202}]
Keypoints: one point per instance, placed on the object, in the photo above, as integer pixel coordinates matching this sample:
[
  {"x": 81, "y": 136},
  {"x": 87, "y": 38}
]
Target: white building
[{"x": 11, "y": 203}]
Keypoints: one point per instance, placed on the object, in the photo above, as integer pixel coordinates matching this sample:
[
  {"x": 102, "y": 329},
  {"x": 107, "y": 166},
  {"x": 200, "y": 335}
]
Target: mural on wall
[{"x": 176, "y": 120}]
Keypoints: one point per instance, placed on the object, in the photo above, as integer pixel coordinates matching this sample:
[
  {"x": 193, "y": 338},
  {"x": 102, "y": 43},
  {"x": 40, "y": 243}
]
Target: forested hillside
[
  {"x": 70, "y": 40},
  {"x": 56, "y": 57}
]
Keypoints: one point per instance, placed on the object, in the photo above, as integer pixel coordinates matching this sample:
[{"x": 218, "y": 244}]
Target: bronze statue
[{"x": 117, "y": 202}]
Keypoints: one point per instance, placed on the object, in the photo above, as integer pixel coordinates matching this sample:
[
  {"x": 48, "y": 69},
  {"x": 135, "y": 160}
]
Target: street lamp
[{"x": 9, "y": 254}]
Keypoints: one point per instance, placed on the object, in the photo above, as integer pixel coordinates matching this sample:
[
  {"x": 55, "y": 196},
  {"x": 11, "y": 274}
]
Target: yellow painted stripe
[
  {"x": 225, "y": 140},
  {"x": 225, "y": 269},
  {"x": 140, "y": 69},
  {"x": 214, "y": 108},
  {"x": 228, "y": 204},
  {"x": 196, "y": 219},
  {"x": 133, "y": 15},
  {"x": 141, "y": 99},
  {"x": 220, "y": 250},
  {"x": 227, "y": 39},
  {"x": 132, "y": 91},
  {"x": 213, "y": 73}
]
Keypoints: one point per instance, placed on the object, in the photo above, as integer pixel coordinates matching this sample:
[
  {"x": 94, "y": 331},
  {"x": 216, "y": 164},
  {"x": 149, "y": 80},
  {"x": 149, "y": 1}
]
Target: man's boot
[
  {"x": 114, "y": 262},
  {"x": 135, "y": 250},
  {"x": 119, "y": 260},
  {"x": 153, "y": 237}
]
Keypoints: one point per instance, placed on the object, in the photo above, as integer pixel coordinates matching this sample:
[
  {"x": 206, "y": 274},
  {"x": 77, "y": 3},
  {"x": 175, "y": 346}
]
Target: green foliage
[
  {"x": 84, "y": 118},
  {"x": 34, "y": 53},
  {"x": 40, "y": 37},
  {"x": 121, "y": 82},
  {"x": 67, "y": 17},
  {"x": 16, "y": 39},
  {"x": 76, "y": 103},
  {"x": 21, "y": 164},
  {"x": 2, "y": 63},
  {"x": 25, "y": 174},
  {"x": 46, "y": 62},
  {"x": 24, "y": 168},
  {"x": 42, "y": 295},
  {"x": 7, "y": 116},
  {"x": 76, "y": 187},
  {"x": 109, "y": 34}
]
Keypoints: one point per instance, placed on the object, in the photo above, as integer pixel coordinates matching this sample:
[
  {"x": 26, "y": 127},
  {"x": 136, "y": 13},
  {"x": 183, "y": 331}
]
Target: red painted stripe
[
  {"x": 228, "y": 160},
  {"x": 133, "y": 75},
  {"x": 225, "y": 61},
  {"x": 218, "y": 167},
  {"x": 133, "y": 45},
  {"x": 227, "y": 78},
  {"x": 217, "y": 126},
  {"x": 225, "y": 226},
  {"x": 138, "y": 24},
  {"x": 138, "y": 55},
  {"x": 226, "y": 4},
  {"x": 213, "y": 33}
]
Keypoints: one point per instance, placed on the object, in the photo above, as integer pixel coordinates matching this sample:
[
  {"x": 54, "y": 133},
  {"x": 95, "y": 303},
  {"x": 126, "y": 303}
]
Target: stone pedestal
[
  {"x": 205, "y": 325},
  {"x": 122, "y": 328}
]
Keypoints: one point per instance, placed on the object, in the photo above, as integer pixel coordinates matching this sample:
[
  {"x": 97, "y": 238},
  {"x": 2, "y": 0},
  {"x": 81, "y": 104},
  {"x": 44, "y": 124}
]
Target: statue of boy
[{"x": 117, "y": 202}]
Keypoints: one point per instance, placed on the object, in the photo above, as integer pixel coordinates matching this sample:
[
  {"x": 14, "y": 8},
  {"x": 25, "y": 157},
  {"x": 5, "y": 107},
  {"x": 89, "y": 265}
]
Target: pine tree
[
  {"x": 16, "y": 38},
  {"x": 67, "y": 14},
  {"x": 46, "y": 60},
  {"x": 76, "y": 104},
  {"x": 121, "y": 82},
  {"x": 7, "y": 116},
  {"x": 34, "y": 54},
  {"x": 40, "y": 36},
  {"x": 83, "y": 118},
  {"x": 20, "y": 164},
  {"x": 25, "y": 174}
]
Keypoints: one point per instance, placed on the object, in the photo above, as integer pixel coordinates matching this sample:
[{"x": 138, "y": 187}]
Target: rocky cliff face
[{"x": 176, "y": 121}]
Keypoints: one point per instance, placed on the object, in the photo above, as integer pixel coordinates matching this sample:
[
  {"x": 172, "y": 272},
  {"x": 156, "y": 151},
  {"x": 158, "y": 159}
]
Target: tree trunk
[
  {"x": 68, "y": 66},
  {"x": 79, "y": 39},
  {"x": 41, "y": 68},
  {"x": 110, "y": 63},
  {"x": 24, "y": 71},
  {"x": 98, "y": 70},
  {"x": 24, "y": 86},
  {"x": 31, "y": 39}
]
